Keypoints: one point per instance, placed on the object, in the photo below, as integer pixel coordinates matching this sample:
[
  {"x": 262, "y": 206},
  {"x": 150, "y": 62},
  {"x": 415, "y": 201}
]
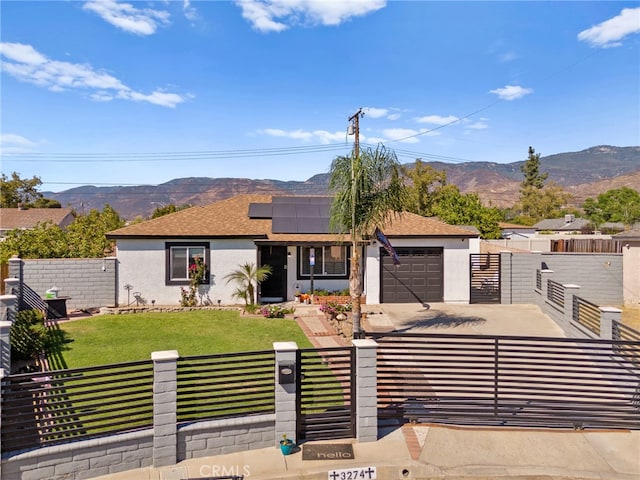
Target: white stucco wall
[
  {"x": 455, "y": 264},
  {"x": 305, "y": 285},
  {"x": 142, "y": 265}
]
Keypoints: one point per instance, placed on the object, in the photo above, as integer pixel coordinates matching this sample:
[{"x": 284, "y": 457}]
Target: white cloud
[
  {"x": 28, "y": 65},
  {"x": 511, "y": 92},
  {"x": 12, "y": 143},
  {"x": 321, "y": 136},
  {"x": 610, "y": 32},
  {"x": 278, "y": 15},
  {"x": 393, "y": 116},
  {"x": 406, "y": 135},
  {"x": 481, "y": 125},
  {"x": 190, "y": 12},
  {"x": 376, "y": 112},
  {"x": 437, "y": 119},
  {"x": 127, "y": 17}
]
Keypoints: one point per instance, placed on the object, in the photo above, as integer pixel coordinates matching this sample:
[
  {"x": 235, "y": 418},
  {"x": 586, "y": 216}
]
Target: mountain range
[{"x": 586, "y": 173}]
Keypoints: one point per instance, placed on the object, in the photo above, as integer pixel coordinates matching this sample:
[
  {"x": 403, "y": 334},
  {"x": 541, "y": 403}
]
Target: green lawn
[{"x": 106, "y": 339}]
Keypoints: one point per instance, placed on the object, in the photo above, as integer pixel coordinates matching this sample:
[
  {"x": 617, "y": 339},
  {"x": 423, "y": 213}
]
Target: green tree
[
  {"x": 424, "y": 184},
  {"x": 368, "y": 191},
  {"x": 45, "y": 240},
  {"x": 455, "y": 208},
  {"x": 537, "y": 204},
  {"x": 538, "y": 201},
  {"x": 617, "y": 205},
  {"x": 16, "y": 191},
  {"x": 85, "y": 237},
  {"x": 531, "y": 171},
  {"x": 247, "y": 278},
  {"x": 429, "y": 195},
  {"x": 167, "y": 209}
]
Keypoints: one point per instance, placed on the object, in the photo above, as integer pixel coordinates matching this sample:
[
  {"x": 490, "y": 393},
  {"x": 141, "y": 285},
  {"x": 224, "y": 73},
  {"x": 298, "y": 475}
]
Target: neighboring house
[
  {"x": 514, "y": 231},
  {"x": 286, "y": 233},
  {"x": 631, "y": 265},
  {"x": 567, "y": 225},
  {"x": 28, "y": 218}
]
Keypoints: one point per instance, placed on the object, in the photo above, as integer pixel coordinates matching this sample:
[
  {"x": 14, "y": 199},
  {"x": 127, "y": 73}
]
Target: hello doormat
[{"x": 328, "y": 451}]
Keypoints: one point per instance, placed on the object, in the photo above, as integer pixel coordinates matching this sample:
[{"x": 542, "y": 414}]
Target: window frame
[
  {"x": 169, "y": 246},
  {"x": 320, "y": 274}
]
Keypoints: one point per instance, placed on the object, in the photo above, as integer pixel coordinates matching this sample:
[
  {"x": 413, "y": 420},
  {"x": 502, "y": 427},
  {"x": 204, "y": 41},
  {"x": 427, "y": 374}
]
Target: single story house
[
  {"x": 567, "y": 225},
  {"x": 291, "y": 234},
  {"x": 515, "y": 231},
  {"x": 28, "y": 218}
]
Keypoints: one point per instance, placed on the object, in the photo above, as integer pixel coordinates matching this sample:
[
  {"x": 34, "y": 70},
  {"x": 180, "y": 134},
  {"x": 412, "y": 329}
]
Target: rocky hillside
[{"x": 584, "y": 174}]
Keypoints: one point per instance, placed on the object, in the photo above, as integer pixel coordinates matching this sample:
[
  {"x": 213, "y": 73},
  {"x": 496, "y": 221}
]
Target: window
[
  {"x": 179, "y": 257},
  {"x": 330, "y": 261}
]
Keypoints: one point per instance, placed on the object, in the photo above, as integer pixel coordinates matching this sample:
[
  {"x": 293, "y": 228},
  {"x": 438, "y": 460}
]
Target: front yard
[{"x": 106, "y": 339}]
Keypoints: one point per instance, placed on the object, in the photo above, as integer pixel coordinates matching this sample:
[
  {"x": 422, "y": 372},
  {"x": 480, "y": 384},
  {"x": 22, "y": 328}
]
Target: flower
[
  {"x": 333, "y": 309},
  {"x": 275, "y": 311}
]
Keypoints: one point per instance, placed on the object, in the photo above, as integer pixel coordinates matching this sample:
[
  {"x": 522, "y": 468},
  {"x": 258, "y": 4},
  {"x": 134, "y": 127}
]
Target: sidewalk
[
  {"x": 432, "y": 452},
  {"x": 428, "y": 451}
]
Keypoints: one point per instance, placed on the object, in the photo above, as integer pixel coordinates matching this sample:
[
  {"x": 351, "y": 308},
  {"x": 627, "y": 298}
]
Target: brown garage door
[{"x": 418, "y": 278}]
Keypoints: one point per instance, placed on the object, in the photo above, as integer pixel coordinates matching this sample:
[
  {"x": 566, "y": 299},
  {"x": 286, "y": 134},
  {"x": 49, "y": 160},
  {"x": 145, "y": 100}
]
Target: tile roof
[
  {"x": 229, "y": 218},
  {"x": 11, "y": 218}
]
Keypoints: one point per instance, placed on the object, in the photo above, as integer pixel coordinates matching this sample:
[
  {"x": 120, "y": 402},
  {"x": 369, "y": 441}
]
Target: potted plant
[{"x": 286, "y": 445}]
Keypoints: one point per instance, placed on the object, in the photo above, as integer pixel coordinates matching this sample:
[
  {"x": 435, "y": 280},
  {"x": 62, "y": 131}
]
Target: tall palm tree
[
  {"x": 368, "y": 191},
  {"x": 247, "y": 278}
]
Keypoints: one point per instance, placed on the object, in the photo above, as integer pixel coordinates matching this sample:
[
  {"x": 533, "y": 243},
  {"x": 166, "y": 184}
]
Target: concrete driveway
[{"x": 524, "y": 320}]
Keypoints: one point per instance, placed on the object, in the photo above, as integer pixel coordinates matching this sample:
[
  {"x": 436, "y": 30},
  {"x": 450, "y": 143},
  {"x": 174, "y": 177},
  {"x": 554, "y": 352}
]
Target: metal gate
[
  {"x": 326, "y": 393},
  {"x": 485, "y": 278},
  {"x": 508, "y": 381}
]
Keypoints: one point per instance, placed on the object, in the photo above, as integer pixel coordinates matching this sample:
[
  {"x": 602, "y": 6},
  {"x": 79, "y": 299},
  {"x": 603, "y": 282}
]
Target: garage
[{"x": 418, "y": 278}]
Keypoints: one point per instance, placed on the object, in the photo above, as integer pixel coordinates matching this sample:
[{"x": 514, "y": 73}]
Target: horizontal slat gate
[
  {"x": 485, "y": 278},
  {"x": 514, "y": 381},
  {"x": 326, "y": 393}
]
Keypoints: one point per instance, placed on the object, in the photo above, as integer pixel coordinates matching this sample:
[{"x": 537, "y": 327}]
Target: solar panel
[
  {"x": 301, "y": 214},
  {"x": 260, "y": 210}
]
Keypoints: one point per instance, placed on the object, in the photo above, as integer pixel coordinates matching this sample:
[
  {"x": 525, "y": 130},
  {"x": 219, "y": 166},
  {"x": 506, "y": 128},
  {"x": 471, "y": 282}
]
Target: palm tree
[
  {"x": 247, "y": 278},
  {"x": 369, "y": 191}
]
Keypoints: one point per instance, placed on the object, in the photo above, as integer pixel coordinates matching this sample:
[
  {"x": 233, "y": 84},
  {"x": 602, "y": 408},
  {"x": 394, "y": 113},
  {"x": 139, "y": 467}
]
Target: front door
[{"x": 274, "y": 288}]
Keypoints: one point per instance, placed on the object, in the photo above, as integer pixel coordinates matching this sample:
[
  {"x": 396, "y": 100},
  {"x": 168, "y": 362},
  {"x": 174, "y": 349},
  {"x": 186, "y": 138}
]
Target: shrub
[
  {"x": 333, "y": 309},
  {"x": 29, "y": 335},
  {"x": 275, "y": 311}
]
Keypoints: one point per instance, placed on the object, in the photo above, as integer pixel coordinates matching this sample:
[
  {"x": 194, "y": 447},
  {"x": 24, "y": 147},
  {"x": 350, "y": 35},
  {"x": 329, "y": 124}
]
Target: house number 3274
[{"x": 362, "y": 473}]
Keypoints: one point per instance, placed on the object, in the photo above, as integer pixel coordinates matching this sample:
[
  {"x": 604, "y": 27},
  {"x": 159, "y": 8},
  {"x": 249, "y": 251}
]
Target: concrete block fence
[
  {"x": 563, "y": 314},
  {"x": 89, "y": 282},
  {"x": 166, "y": 443}
]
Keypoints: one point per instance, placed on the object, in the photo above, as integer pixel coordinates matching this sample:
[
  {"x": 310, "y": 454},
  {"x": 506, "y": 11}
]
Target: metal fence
[
  {"x": 555, "y": 293},
  {"x": 224, "y": 385},
  {"x": 512, "y": 381},
  {"x": 586, "y": 314},
  {"x": 60, "y": 406}
]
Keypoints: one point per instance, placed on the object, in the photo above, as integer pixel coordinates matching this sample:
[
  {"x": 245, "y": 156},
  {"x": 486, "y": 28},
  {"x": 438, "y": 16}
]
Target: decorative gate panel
[
  {"x": 485, "y": 278},
  {"x": 326, "y": 393}
]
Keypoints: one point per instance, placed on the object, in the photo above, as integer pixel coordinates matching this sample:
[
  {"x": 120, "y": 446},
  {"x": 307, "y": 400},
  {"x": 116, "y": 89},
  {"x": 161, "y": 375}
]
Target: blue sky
[{"x": 119, "y": 93}]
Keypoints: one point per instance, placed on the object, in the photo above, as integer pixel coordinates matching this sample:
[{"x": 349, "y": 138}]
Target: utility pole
[{"x": 354, "y": 281}]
